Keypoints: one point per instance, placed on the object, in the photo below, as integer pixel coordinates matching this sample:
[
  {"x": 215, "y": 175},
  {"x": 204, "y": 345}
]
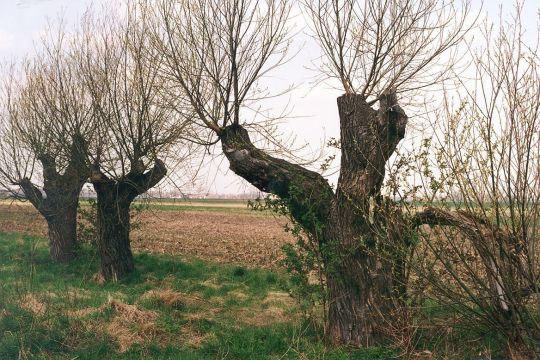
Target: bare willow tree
[
  {"x": 215, "y": 54},
  {"x": 137, "y": 130},
  {"x": 47, "y": 123},
  {"x": 488, "y": 167}
]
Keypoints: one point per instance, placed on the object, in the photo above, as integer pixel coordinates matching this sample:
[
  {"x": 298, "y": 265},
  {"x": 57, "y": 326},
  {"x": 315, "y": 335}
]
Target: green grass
[{"x": 220, "y": 311}]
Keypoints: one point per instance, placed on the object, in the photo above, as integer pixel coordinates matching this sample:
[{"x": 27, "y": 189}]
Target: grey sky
[{"x": 23, "y": 21}]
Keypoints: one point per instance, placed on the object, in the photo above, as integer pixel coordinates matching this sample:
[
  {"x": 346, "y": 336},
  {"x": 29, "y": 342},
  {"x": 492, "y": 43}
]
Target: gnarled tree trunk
[
  {"x": 59, "y": 208},
  {"x": 59, "y": 200},
  {"x": 114, "y": 198},
  {"x": 361, "y": 282},
  {"x": 360, "y": 276}
]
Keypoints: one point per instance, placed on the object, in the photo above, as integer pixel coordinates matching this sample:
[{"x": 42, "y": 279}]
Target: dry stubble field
[{"x": 225, "y": 232}]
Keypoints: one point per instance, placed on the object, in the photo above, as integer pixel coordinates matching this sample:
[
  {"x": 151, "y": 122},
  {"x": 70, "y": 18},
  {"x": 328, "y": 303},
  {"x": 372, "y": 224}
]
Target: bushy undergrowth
[{"x": 425, "y": 325}]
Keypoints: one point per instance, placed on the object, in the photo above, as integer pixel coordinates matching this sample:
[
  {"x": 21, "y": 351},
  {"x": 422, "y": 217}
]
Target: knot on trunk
[{"x": 235, "y": 137}]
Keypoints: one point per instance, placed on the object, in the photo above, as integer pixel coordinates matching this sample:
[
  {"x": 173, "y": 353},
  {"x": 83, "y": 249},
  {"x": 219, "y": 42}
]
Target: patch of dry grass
[
  {"x": 171, "y": 298},
  {"x": 130, "y": 324},
  {"x": 193, "y": 337},
  {"x": 29, "y": 302},
  {"x": 276, "y": 307},
  {"x": 81, "y": 313},
  {"x": 279, "y": 298},
  {"x": 212, "y": 283}
]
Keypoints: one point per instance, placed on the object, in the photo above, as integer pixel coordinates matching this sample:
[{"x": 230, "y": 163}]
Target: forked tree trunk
[
  {"x": 361, "y": 283},
  {"x": 60, "y": 198},
  {"x": 359, "y": 269},
  {"x": 59, "y": 208},
  {"x": 114, "y": 198}
]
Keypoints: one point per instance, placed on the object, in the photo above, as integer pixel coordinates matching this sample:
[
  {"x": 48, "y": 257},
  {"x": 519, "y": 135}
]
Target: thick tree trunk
[
  {"x": 62, "y": 224},
  {"x": 113, "y": 226},
  {"x": 358, "y": 246},
  {"x": 362, "y": 283},
  {"x": 60, "y": 198},
  {"x": 59, "y": 208},
  {"x": 360, "y": 278},
  {"x": 114, "y": 198},
  {"x": 360, "y": 303}
]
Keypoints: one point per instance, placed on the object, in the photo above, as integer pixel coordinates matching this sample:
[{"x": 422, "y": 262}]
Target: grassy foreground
[{"x": 170, "y": 308}]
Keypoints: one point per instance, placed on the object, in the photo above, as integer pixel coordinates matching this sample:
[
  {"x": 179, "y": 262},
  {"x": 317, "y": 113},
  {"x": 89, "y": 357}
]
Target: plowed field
[{"x": 222, "y": 232}]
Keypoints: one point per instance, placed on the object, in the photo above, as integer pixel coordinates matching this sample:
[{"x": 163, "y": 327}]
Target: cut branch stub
[
  {"x": 392, "y": 119},
  {"x": 51, "y": 177},
  {"x": 368, "y": 139}
]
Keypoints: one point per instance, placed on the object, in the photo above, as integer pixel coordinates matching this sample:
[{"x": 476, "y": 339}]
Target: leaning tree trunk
[
  {"x": 114, "y": 198},
  {"x": 359, "y": 269}
]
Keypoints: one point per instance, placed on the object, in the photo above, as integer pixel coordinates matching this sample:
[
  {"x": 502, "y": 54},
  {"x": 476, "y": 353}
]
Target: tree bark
[
  {"x": 114, "y": 198},
  {"x": 62, "y": 225},
  {"x": 59, "y": 208},
  {"x": 359, "y": 270},
  {"x": 57, "y": 202},
  {"x": 113, "y": 225},
  {"x": 361, "y": 282}
]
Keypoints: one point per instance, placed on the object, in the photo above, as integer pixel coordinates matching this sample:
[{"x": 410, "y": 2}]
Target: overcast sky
[{"x": 23, "y": 21}]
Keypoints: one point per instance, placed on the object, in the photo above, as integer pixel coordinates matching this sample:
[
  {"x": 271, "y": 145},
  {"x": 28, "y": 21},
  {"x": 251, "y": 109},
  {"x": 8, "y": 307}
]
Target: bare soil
[{"x": 237, "y": 237}]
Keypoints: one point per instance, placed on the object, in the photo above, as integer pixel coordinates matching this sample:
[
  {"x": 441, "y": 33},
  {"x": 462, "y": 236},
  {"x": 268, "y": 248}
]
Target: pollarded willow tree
[
  {"x": 137, "y": 131},
  {"x": 215, "y": 53},
  {"x": 47, "y": 124}
]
